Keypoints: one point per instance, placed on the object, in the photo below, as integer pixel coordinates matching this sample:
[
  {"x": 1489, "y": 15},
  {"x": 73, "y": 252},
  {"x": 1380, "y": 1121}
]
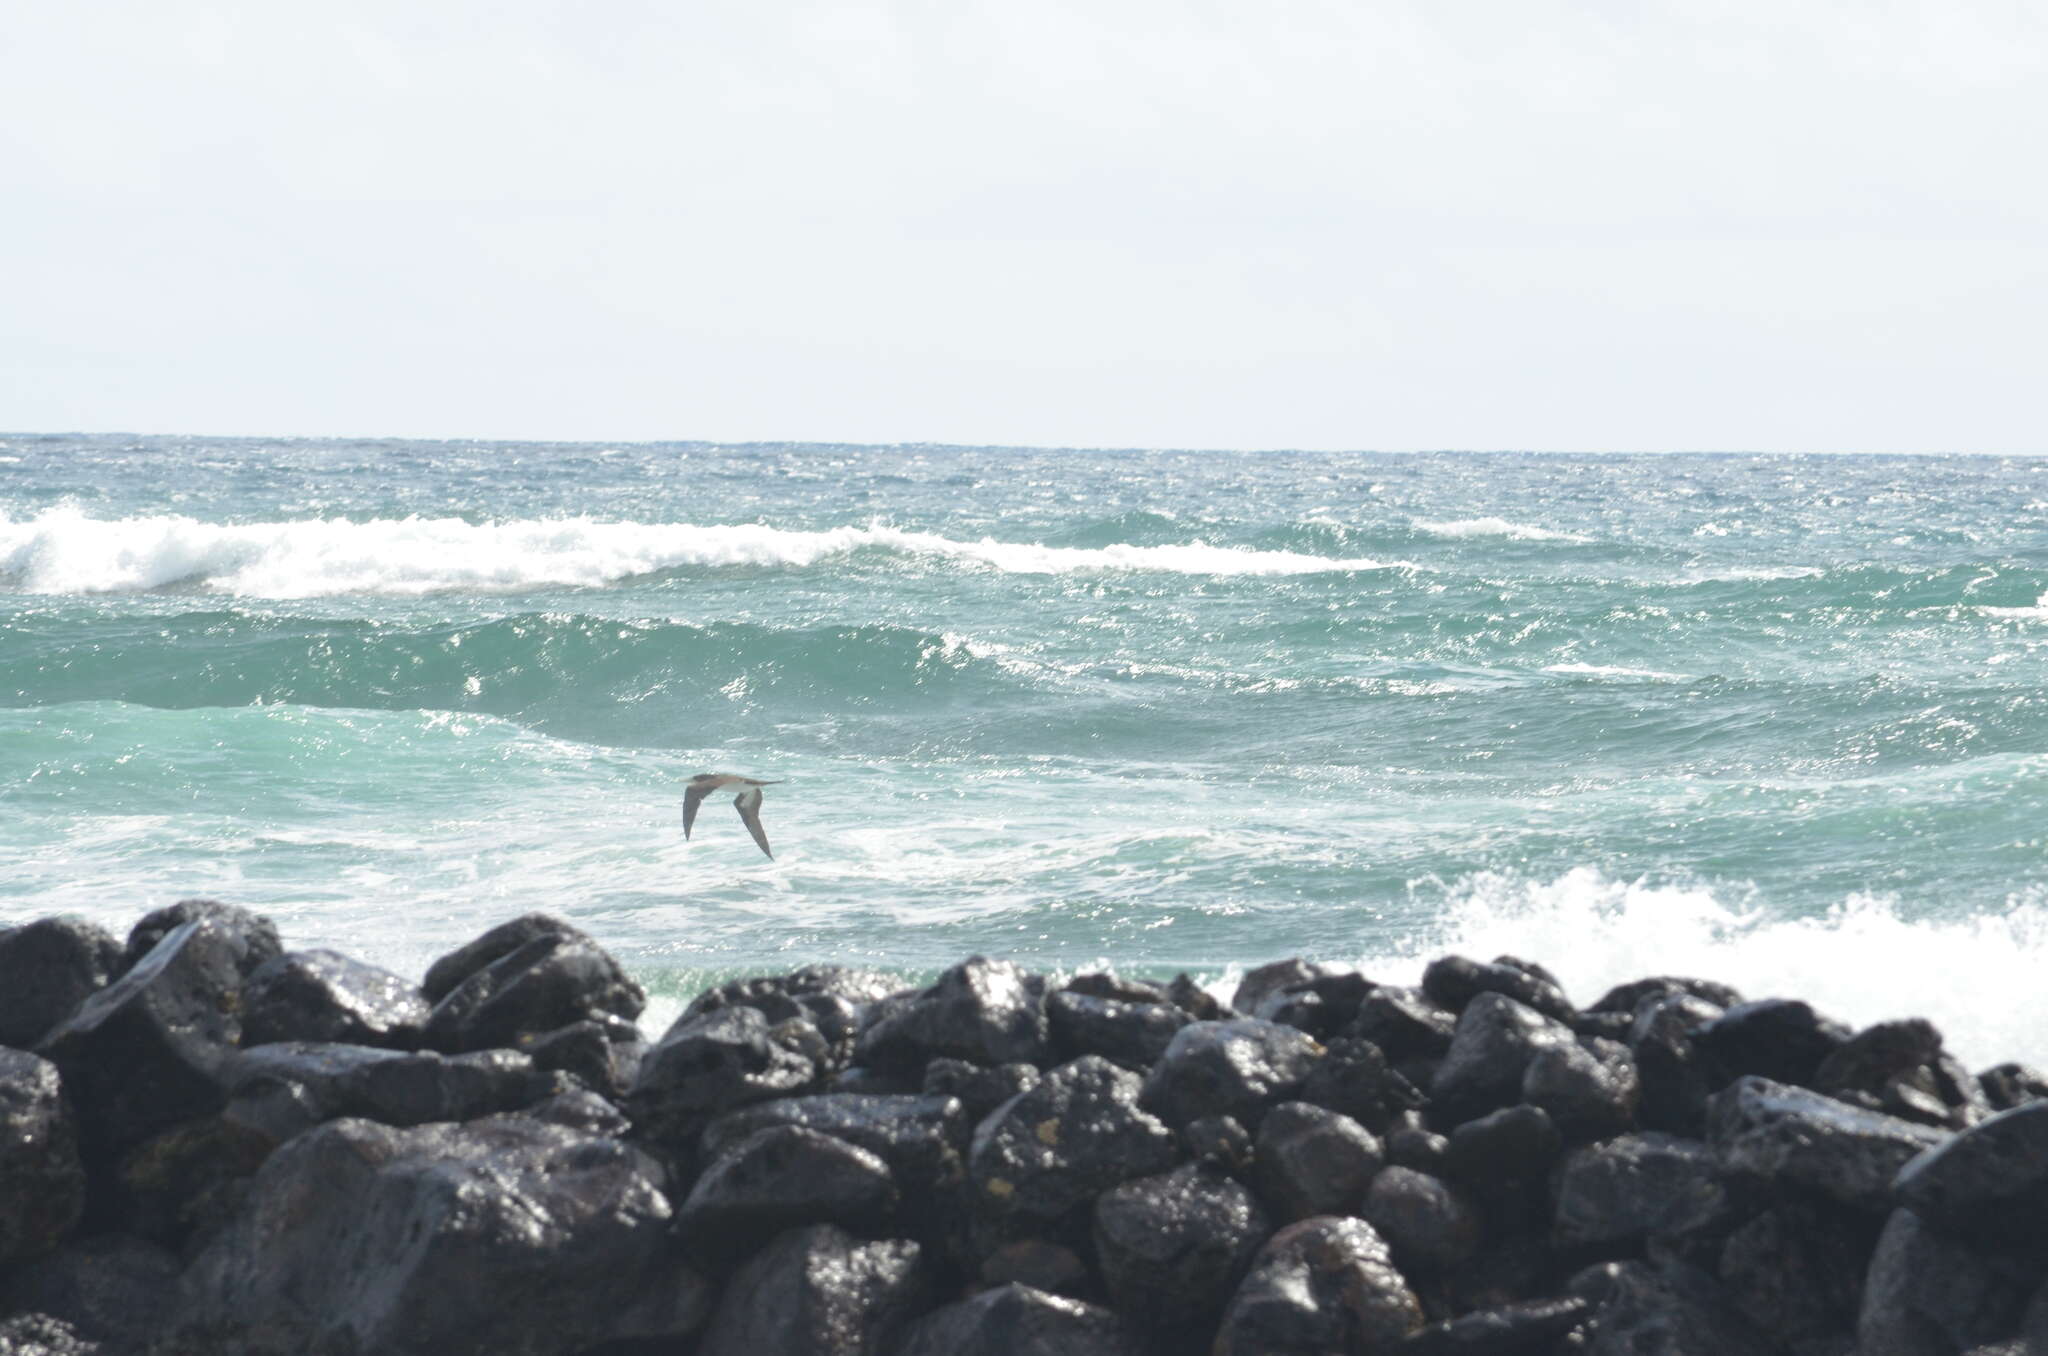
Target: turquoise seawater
[{"x": 1782, "y": 720}]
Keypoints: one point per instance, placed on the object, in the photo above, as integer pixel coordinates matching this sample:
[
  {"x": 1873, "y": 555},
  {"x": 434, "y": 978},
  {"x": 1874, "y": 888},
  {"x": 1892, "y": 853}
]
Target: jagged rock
[
  {"x": 1634, "y": 1187},
  {"x": 546, "y": 984},
  {"x": 1677, "y": 1075},
  {"x": 1172, "y": 1247},
  {"x": 1321, "y": 1006},
  {"x": 1669, "y": 1310},
  {"x": 445, "y": 974},
  {"x": 986, "y": 1011},
  {"x": 1015, "y": 1320},
  {"x": 41, "y": 1335},
  {"x": 250, "y": 938},
  {"x": 1526, "y": 1329},
  {"x": 1236, "y": 1068},
  {"x": 1134, "y": 1035},
  {"x": 145, "y": 1053},
  {"x": 1496, "y": 1039},
  {"x": 1220, "y": 1141},
  {"x": 325, "y": 996},
  {"x": 1404, "y": 1024},
  {"x": 1353, "y": 1077},
  {"x": 1989, "y": 1183},
  {"x": 1053, "y": 1149},
  {"x": 1051, "y": 1267},
  {"x": 1781, "y": 1039},
  {"x": 1589, "y": 1087},
  {"x": 803, "y": 989},
  {"x": 1262, "y": 981},
  {"x": 189, "y": 1179},
  {"x": 1412, "y": 1144},
  {"x": 1515, "y": 1144},
  {"x": 1783, "y": 1135},
  {"x": 1454, "y": 981},
  {"x": 501, "y": 1236},
  {"x": 1929, "y": 1295},
  {"x": 1197, "y": 1002},
  {"x": 718, "y": 1061},
  {"x": 1322, "y": 1285},
  {"x": 1626, "y": 998},
  {"x": 604, "y": 1055},
  {"x": 42, "y": 1185},
  {"x": 782, "y": 1178},
  {"x": 922, "y": 1139},
  {"x": 980, "y": 1089},
  {"x": 818, "y": 1290},
  {"x": 47, "y": 968},
  {"x": 110, "y": 1288},
  {"x": 2006, "y": 1086},
  {"x": 1796, "y": 1269},
  {"x": 1105, "y": 984},
  {"x": 1312, "y": 1161},
  {"x": 1607, "y": 1026},
  {"x": 1428, "y": 1221},
  {"x": 1900, "y": 1068},
  {"x": 289, "y": 1087}
]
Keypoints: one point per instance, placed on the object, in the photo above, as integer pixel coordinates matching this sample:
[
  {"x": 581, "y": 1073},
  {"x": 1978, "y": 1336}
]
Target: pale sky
[{"x": 1528, "y": 224}]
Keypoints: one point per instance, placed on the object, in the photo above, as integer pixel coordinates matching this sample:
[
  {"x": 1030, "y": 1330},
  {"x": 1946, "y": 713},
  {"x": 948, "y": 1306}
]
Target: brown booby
[{"x": 748, "y": 802}]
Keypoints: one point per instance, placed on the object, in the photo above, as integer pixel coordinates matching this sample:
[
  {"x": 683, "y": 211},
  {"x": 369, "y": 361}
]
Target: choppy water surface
[{"x": 1783, "y": 720}]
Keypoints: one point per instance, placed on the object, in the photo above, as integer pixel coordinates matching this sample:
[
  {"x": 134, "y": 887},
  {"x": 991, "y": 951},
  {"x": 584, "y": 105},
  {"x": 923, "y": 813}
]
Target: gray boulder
[
  {"x": 1172, "y": 1248},
  {"x": 111, "y": 1288},
  {"x": 48, "y": 968},
  {"x": 1133, "y": 1035},
  {"x": 988, "y": 1012},
  {"x": 782, "y": 1178},
  {"x": 1668, "y": 1310},
  {"x": 1677, "y": 1073},
  {"x": 447, "y": 973},
  {"x": 249, "y": 937},
  {"x": 325, "y": 996},
  {"x": 1015, "y": 1320},
  {"x": 289, "y": 1087},
  {"x": 1931, "y": 1295},
  {"x": 1454, "y": 981},
  {"x": 980, "y": 1088},
  {"x": 1311, "y": 1161},
  {"x": 1781, "y": 1039},
  {"x": 1430, "y": 1223},
  {"x": 1496, "y": 1039},
  {"x": 1589, "y": 1087},
  {"x": 42, "y": 1185},
  {"x": 1236, "y": 1068},
  {"x": 546, "y": 984},
  {"x": 1793, "y": 1136},
  {"x": 817, "y": 1290},
  {"x": 1796, "y": 1269},
  {"x": 1322, "y": 1285},
  {"x": 713, "y": 1063},
  {"x": 1637, "y": 1187},
  {"x": 1989, "y": 1183}
]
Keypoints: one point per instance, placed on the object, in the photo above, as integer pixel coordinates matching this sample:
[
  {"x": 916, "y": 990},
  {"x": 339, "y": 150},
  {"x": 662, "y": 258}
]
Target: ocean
[{"x": 1776, "y": 720}]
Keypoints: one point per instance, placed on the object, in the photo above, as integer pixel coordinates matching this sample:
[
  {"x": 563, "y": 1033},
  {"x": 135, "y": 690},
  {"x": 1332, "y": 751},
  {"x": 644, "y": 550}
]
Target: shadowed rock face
[
  {"x": 817, "y": 1290},
  {"x": 1786, "y": 1135},
  {"x": 48, "y": 968},
  {"x": 42, "y": 1184},
  {"x": 1172, "y": 1247},
  {"x": 1015, "y": 1320},
  {"x": 1322, "y": 1285}
]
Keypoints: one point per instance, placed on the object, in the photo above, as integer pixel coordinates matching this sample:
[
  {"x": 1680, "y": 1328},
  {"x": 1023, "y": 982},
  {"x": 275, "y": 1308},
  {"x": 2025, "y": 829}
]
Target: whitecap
[
  {"x": 1494, "y": 527},
  {"x": 1617, "y": 671}
]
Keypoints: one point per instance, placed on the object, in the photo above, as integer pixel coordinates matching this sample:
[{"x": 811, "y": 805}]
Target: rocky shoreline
[{"x": 210, "y": 1144}]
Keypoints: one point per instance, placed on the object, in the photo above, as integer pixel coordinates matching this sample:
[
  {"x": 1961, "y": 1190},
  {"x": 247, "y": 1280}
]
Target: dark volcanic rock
[
  {"x": 1311, "y": 1161},
  {"x": 782, "y": 1178},
  {"x": 1530, "y": 1328},
  {"x": 922, "y": 1139},
  {"x": 1516, "y": 1144},
  {"x": 1454, "y": 981},
  {"x": 980, "y": 1089},
  {"x": 1051, "y": 1267},
  {"x": 1172, "y": 1247},
  {"x": 1134, "y": 1035},
  {"x": 1677, "y": 1075},
  {"x": 775, "y": 995},
  {"x": 1672, "y": 1310},
  {"x": 1636, "y": 1187},
  {"x": 546, "y": 984},
  {"x": 1015, "y": 1320},
  {"x": 1236, "y": 1068},
  {"x": 1626, "y": 998},
  {"x": 1927, "y": 1295},
  {"x": 1428, "y": 1221},
  {"x": 502, "y": 1236},
  {"x": 1796, "y": 1270},
  {"x": 325, "y": 996},
  {"x": 1411, "y": 1144},
  {"x": 986, "y": 1011},
  {"x": 111, "y": 1288},
  {"x": 1489, "y": 1057},
  {"x": 1106, "y": 984},
  {"x": 818, "y": 1290},
  {"x": 1196, "y": 1001},
  {"x": 1220, "y": 1141},
  {"x": 1989, "y": 1183},
  {"x": 1323, "y": 1285},
  {"x": 1589, "y": 1087},
  {"x": 604, "y": 1054},
  {"x": 1793, "y": 1136},
  {"x": 2006, "y": 1086},
  {"x": 189, "y": 1180},
  {"x": 250, "y": 938},
  {"x": 1056, "y": 1147},
  {"x": 42, "y": 1186},
  {"x": 291, "y": 1086},
  {"x": 445, "y": 974},
  {"x": 47, "y": 968},
  {"x": 1781, "y": 1039},
  {"x": 1353, "y": 1077},
  {"x": 145, "y": 1052},
  {"x": 1900, "y": 1068},
  {"x": 716, "y": 1062},
  {"x": 1263, "y": 981}
]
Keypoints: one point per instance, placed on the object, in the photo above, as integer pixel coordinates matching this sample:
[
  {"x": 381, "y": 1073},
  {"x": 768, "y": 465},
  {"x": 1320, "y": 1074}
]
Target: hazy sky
[{"x": 1362, "y": 225}]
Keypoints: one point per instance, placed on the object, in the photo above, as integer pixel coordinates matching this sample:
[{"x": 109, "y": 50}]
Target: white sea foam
[
  {"x": 61, "y": 550},
  {"x": 1616, "y": 671},
  {"x": 1976, "y": 976},
  {"x": 2038, "y": 612},
  {"x": 1494, "y": 527}
]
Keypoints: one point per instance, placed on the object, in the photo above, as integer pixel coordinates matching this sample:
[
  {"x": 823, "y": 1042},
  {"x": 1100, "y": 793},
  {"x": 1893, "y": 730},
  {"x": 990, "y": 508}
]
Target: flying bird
[{"x": 748, "y": 802}]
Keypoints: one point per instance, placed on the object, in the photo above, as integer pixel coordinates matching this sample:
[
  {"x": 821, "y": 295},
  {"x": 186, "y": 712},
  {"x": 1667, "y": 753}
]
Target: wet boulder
[
  {"x": 922, "y": 1139},
  {"x": 1793, "y": 1136},
  {"x": 715, "y": 1062},
  {"x": 1312, "y": 1161},
  {"x": 1988, "y": 1183},
  {"x": 818, "y": 1289},
  {"x": 1496, "y": 1039},
  {"x": 1454, "y": 981},
  {"x": 1513, "y": 1146},
  {"x": 146, "y": 1052},
  {"x": 1236, "y": 1068},
  {"x": 1053, "y": 1149},
  {"x": 1781, "y": 1039},
  {"x": 1322, "y": 1006},
  {"x": 1015, "y": 1320},
  {"x": 447, "y": 973},
  {"x": 42, "y": 1184},
  {"x": 980, "y": 1089},
  {"x": 782, "y": 1178},
  {"x": 1263, "y": 981},
  {"x": 1927, "y": 1294},
  {"x": 325, "y": 996},
  {"x": 544, "y": 985},
  {"x": 1589, "y": 1087},
  {"x": 289, "y": 1087},
  {"x": 832, "y": 998},
  {"x": 603, "y": 1053},
  {"x": 1412, "y": 1144},
  {"x": 1430, "y": 1223},
  {"x": 1354, "y": 1078},
  {"x": 1404, "y": 1024},
  {"x": 989, "y": 1012},
  {"x": 1627, "y": 998},
  {"x": 1900, "y": 1068},
  {"x": 1134, "y": 1035},
  {"x": 1636, "y": 1187},
  {"x": 249, "y": 938},
  {"x": 48, "y": 968},
  {"x": 1670, "y": 1310},
  {"x": 1319, "y": 1286},
  {"x": 1197, "y": 1002},
  {"x": 502, "y": 1236},
  {"x": 1676, "y": 1073},
  {"x": 1796, "y": 1269},
  {"x": 1172, "y": 1247},
  {"x": 1051, "y": 1267},
  {"x": 111, "y": 1288},
  {"x": 2006, "y": 1086},
  {"x": 187, "y": 1181},
  {"x": 1524, "y": 1329},
  {"x": 1222, "y": 1142}
]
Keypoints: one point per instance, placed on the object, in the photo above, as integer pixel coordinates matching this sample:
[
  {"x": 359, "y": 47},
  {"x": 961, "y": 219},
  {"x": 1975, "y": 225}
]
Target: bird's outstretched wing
[
  {"x": 693, "y": 796},
  {"x": 748, "y": 802}
]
